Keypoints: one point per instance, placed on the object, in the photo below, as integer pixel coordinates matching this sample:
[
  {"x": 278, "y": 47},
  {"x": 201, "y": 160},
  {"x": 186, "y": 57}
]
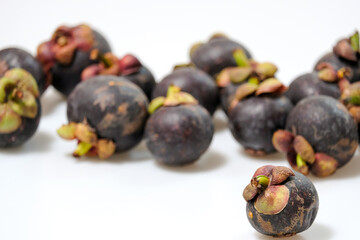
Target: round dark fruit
[
  {"x": 112, "y": 109},
  {"x": 128, "y": 66},
  {"x": 20, "y": 108},
  {"x": 321, "y": 136},
  {"x": 280, "y": 203},
  {"x": 19, "y": 58},
  {"x": 309, "y": 84},
  {"x": 179, "y": 130},
  {"x": 216, "y": 54},
  {"x": 254, "y": 120},
  {"x": 68, "y": 53},
  {"x": 194, "y": 81}
]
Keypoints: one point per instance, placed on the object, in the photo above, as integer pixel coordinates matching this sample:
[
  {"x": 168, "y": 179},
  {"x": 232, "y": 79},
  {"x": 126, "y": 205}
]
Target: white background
[{"x": 47, "y": 194}]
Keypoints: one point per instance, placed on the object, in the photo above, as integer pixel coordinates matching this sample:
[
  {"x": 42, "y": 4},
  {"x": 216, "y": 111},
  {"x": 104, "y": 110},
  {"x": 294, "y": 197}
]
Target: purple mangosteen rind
[
  {"x": 327, "y": 126},
  {"x": 254, "y": 120},
  {"x": 68, "y": 53},
  {"x": 193, "y": 81},
  {"x": 113, "y": 106},
  {"x": 144, "y": 79},
  {"x": 179, "y": 135},
  {"x": 216, "y": 54},
  {"x": 295, "y": 208}
]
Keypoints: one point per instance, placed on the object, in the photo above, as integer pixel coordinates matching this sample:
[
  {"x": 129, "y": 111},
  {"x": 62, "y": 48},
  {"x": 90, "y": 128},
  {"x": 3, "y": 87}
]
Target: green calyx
[
  {"x": 18, "y": 93},
  {"x": 354, "y": 41},
  {"x": 300, "y": 162},
  {"x": 240, "y": 58},
  {"x": 174, "y": 97}
]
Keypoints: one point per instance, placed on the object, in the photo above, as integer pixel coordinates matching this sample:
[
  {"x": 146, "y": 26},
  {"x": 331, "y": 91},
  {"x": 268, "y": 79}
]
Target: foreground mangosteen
[
  {"x": 320, "y": 136},
  {"x": 216, "y": 54},
  {"x": 179, "y": 130},
  {"x": 68, "y": 53},
  {"x": 106, "y": 114},
  {"x": 193, "y": 81},
  {"x": 280, "y": 203},
  {"x": 256, "y": 113},
  {"x": 19, "y": 107},
  {"x": 230, "y": 78},
  {"x": 128, "y": 66},
  {"x": 19, "y": 58},
  {"x": 345, "y": 54}
]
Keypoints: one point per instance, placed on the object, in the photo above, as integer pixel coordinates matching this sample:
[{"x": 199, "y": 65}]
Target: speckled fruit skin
[
  {"x": 297, "y": 216},
  {"x": 254, "y": 120},
  {"x": 144, "y": 79},
  {"x": 66, "y": 77},
  {"x": 216, "y": 54},
  {"x": 338, "y": 63},
  {"x": 308, "y": 85},
  {"x": 114, "y": 106},
  {"x": 26, "y": 130},
  {"x": 327, "y": 125},
  {"x": 18, "y": 58},
  {"x": 179, "y": 135},
  {"x": 196, "y": 82}
]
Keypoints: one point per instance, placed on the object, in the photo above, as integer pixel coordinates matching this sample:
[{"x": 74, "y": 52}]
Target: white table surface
[{"x": 45, "y": 193}]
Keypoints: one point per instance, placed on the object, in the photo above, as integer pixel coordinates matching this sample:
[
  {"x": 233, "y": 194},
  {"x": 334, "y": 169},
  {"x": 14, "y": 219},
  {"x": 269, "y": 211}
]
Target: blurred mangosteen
[
  {"x": 19, "y": 58},
  {"x": 193, "y": 81},
  {"x": 69, "y": 51},
  {"x": 320, "y": 136},
  {"x": 106, "y": 114},
  {"x": 280, "y": 203},
  {"x": 257, "y": 111},
  {"x": 179, "y": 130},
  {"x": 20, "y": 108},
  {"x": 128, "y": 66},
  {"x": 216, "y": 54}
]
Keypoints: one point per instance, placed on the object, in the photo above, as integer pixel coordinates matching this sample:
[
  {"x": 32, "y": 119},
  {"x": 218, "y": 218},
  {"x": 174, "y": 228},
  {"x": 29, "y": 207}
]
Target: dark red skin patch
[
  {"x": 338, "y": 63},
  {"x": 254, "y": 120},
  {"x": 66, "y": 77},
  {"x": 308, "y": 85},
  {"x": 114, "y": 106},
  {"x": 326, "y": 124},
  {"x": 297, "y": 216},
  {"x": 179, "y": 135},
  {"x": 227, "y": 94},
  {"x": 196, "y": 82},
  {"x": 18, "y": 58},
  {"x": 216, "y": 54},
  {"x": 144, "y": 79},
  {"x": 23, "y": 133}
]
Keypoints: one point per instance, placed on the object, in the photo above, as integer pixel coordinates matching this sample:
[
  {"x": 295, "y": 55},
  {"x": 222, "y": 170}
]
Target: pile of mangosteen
[{"x": 114, "y": 102}]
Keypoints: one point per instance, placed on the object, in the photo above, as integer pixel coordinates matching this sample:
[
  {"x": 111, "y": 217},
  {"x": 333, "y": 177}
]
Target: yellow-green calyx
[
  {"x": 88, "y": 142},
  {"x": 18, "y": 93},
  {"x": 262, "y": 180},
  {"x": 174, "y": 97}
]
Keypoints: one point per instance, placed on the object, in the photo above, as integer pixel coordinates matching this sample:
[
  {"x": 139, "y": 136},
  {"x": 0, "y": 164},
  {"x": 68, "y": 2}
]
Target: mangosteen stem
[
  {"x": 82, "y": 148},
  {"x": 107, "y": 62},
  {"x": 241, "y": 58},
  {"x": 6, "y": 85},
  {"x": 253, "y": 80},
  {"x": 354, "y": 40},
  {"x": 299, "y": 161},
  {"x": 260, "y": 181},
  {"x": 172, "y": 90}
]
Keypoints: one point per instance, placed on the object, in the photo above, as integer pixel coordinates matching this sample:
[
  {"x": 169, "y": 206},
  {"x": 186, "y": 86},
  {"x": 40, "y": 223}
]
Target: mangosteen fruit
[
  {"x": 69, "y": 51},
  {"x": 345, "y": 54},
  {"x": 247, "y": 70},
  {"x": 129, "y": 67},
  {"x": 19, "y": 58},
  {"x": 256, "y": 113},
  {"x": 216, "y": 54},
  {"x": 106, "y": 114},
  {"x": 193, "y": 81},
  {"x": 280, "y": 202},
  {"x": 20, "y": 108},
  {"x": 320, "y": 136},
  {"x": 179, "y": 130}
]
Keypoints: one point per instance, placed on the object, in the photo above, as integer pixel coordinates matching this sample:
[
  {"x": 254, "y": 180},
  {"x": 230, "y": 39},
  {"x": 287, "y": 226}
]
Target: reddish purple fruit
[
  {"x": 69, "y": 51},
  {"x": 179, "y": 130},
  {"x": 19, "y": 58},
  {"x": 196, "y": 82},
  {"x": 280, "y": 203},
  {"x": 216, "y": 54},
  {"x": 20, "y": 108},
  {"x": 106, "y": 114}
]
